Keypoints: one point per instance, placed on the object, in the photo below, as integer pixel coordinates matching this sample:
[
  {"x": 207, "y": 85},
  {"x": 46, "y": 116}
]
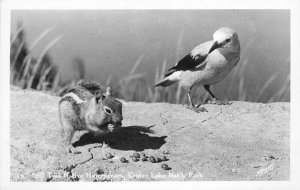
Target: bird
[{"x": 207, "y": 64}]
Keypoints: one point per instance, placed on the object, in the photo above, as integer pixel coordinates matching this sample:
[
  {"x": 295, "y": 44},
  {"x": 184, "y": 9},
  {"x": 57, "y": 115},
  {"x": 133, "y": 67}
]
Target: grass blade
[
  {"x": 266, "y": 86},
  {"x": 56, "y": 80},
  {"x": 41, "y": 36},
  {"x": 135, "y": 66},
  {"x": 43, "y": 77},
  {"x": 13, "y": 39},
  {"x": 25, "y": 73},
  {"x": 36, "y": 67},
  {"x": 17, "y": 55}
]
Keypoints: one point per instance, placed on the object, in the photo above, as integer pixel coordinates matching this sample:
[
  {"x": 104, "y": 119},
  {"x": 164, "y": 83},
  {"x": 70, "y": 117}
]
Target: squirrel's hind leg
[
  {"x": 67, "y": 140},
  {"x": 68, "y": 129}
]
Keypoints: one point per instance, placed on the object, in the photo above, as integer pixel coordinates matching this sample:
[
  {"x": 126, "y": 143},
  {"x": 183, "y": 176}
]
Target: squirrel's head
[{"x": 105, "y": 110}]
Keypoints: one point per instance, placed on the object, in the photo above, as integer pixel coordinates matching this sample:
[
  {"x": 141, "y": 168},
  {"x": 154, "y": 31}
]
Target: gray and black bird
[{"x": 207, "y": 64}]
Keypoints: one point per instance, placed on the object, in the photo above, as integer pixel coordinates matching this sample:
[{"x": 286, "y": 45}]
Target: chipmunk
[{"x": 87, "y": 107}]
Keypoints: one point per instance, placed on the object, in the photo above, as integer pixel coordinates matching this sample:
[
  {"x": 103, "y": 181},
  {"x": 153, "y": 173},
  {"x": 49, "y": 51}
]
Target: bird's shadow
[{"x": 125, "y": 138}]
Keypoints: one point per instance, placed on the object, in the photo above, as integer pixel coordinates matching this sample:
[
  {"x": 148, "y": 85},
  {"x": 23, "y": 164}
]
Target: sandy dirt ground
[{"x": 241, "y": 141}]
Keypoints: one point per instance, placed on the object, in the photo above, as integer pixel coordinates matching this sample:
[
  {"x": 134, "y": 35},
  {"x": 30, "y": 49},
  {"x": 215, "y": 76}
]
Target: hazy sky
[{"x": 110, "y": 41}]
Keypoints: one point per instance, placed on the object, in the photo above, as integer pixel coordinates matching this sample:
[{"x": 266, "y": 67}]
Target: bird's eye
[
  {"x": 227, "y": 40},
  {"x": 108, "y": 110}
]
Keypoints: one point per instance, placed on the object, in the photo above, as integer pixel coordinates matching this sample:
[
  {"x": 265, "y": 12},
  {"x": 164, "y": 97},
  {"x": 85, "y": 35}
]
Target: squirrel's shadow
[{"x": 125, "y": 138}]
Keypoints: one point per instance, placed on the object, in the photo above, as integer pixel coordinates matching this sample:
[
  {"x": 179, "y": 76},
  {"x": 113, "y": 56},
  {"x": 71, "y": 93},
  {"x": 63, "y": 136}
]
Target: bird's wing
[{"x": 194, "y": 60}]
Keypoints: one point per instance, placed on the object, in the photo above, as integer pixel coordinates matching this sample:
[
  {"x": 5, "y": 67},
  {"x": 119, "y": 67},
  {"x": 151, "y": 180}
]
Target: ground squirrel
[{"x": 87, "y": 107}]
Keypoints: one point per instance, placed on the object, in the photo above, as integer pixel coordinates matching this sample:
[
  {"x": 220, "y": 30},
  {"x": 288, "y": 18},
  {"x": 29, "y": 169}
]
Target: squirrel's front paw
[{"x": 112, "y": 127}]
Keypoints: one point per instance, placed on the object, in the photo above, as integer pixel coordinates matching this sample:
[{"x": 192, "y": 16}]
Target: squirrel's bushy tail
[{"x": 93, "y": 87}]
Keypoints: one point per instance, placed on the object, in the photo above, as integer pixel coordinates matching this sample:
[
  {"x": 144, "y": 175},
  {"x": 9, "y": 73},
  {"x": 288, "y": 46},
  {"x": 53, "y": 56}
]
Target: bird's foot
[
  {"x": 197, "y": 108},
  {"x": 218, "y": 102},
  {"x": 72, "y": 150}
]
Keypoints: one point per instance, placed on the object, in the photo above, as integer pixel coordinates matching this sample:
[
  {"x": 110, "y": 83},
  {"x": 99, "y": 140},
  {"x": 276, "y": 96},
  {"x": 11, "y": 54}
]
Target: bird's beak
[{"x": 214, "y": 46}]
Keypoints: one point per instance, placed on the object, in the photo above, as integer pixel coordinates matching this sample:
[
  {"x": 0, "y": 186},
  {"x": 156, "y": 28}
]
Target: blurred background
[{"x": 130, "y": 50}]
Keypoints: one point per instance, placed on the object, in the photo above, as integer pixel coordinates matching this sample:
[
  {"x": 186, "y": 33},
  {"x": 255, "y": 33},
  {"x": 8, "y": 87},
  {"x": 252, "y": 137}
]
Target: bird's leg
[
  {"x": 215, "y": 100},
  {"x": 192, "y": 105},
  {"x": 207, "y": 88}
]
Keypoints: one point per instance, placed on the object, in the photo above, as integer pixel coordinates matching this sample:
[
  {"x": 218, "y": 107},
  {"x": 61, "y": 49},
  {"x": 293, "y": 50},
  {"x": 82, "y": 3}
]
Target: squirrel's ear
[
  {"x": 108, "y": 91},
  {"x": 99, "y": 97}
]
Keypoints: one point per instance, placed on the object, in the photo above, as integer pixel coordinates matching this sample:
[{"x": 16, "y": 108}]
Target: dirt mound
[{"x": 242, "y": 141}]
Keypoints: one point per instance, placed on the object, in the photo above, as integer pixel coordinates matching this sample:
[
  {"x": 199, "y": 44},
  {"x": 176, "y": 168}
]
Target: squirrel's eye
[
  {"x": 227, "y": 40},
  {"x": 108, "y": 110}
]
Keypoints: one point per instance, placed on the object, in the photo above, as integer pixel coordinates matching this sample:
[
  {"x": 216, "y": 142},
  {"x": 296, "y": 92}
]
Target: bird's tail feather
[
  {"x": 165, "y": 82},
  {"x": 171, "y": 79}
]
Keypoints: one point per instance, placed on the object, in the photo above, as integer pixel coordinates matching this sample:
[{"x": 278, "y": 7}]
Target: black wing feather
[{"x": 187, "y": 63}]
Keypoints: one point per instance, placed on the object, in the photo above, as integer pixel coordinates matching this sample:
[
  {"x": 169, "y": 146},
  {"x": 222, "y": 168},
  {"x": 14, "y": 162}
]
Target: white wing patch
[
  {"x": 175, "y": 76},
  {"x": 75, "y": 97}
]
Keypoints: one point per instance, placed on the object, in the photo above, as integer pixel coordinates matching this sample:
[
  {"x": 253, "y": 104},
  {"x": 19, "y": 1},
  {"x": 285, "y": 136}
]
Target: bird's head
[{"x": 225, "y": 38}]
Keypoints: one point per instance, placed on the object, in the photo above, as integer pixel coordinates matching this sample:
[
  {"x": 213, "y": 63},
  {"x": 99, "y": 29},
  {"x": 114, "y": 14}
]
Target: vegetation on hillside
[{"x": 41, "y": 73}]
